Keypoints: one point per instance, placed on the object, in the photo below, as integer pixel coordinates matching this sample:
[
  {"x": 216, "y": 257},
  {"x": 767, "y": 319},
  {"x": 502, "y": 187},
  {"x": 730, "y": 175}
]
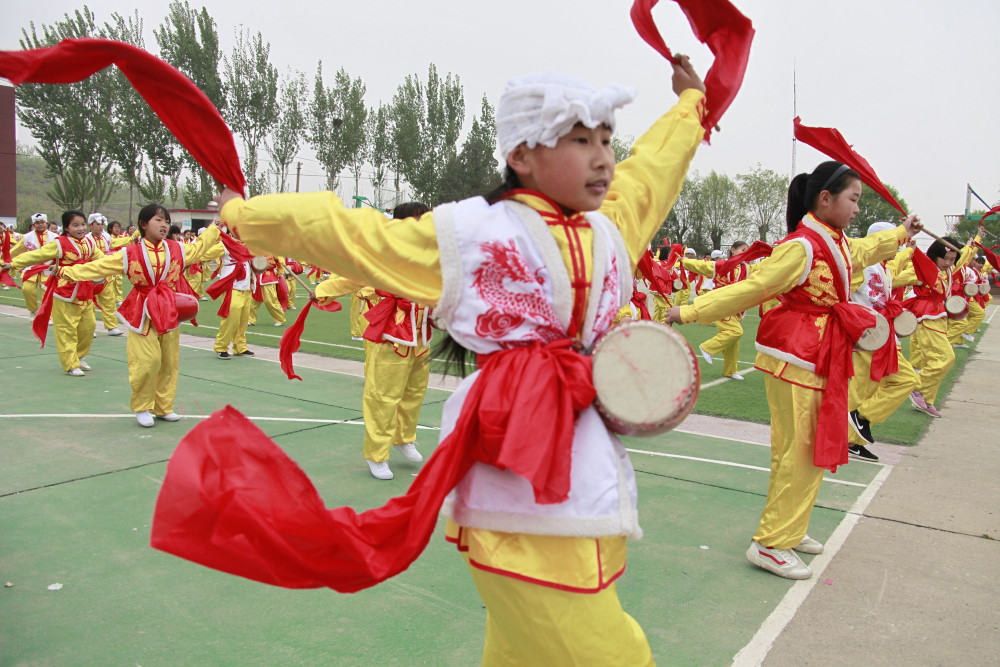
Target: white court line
[
  {"x": 724, "y": 379},
  {"x": 351, "y": 422},
  {"x": 732, "y": 465},
  {"x": 722, "y": 437},
  {"x": 990, "y": 318},
  {"x": 757, "y": 649}
]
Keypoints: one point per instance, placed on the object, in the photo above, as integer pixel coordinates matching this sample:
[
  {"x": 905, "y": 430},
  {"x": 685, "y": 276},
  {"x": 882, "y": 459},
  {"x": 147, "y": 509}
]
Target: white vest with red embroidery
[
  {"x": 31, "y": 241},
  {"x": 505, "y": 284}
]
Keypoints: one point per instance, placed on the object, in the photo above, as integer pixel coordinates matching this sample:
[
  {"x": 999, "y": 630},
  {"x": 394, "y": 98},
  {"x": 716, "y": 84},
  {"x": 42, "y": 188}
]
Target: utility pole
[
  {"x": 298, "y": 175},
  {"x": 795, "y": 114}
]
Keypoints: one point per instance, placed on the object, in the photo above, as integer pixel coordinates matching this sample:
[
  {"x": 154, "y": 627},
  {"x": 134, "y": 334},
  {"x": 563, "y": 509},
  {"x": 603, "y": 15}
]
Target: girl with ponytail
[{"x": 804, "y": 347}]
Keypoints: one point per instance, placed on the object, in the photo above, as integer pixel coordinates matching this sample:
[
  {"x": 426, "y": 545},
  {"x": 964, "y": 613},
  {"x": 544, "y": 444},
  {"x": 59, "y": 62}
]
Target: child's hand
[
  {"x": 673, "y": 315},
  {"x": 913, "y": 225},
  {"x": 226, "y": 195},
  {"x": 684, "y": 76}
]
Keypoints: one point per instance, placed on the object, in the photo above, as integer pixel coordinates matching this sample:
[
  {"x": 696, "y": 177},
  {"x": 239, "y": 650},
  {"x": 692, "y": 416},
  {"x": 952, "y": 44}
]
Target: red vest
[
  {"x": 146, "y": 285},
  {"x": 71, "y": 253}
]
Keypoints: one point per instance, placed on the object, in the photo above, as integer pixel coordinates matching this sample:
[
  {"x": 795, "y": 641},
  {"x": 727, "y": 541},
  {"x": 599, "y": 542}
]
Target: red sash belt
[
  {"x": 885, "y": 360},
  {"x": 639, "y": 301},
  {"x": 232, "y": 500},
  {"x": 383, "y": 315},
  {"x": 161, "y": 305},
  {"x": 845, "y": 324}
]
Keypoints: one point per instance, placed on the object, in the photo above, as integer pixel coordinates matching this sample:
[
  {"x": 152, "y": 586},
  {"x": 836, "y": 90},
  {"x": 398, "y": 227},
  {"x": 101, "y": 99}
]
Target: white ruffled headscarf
[
  {"x": 540, "y": 108},
  {"x": 877, "y": 227},
  {"x": 96, "y": 217}
]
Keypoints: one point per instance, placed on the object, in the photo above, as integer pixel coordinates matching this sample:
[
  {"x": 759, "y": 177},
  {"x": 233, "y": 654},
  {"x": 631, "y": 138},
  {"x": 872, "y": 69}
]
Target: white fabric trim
[
  {"x": 450, "y": 259},
  {"x": 809, "y": 258},
  {"x": 781, "y": 355}
]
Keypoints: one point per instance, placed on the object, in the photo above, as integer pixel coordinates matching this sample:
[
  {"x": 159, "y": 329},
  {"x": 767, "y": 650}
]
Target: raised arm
[
  {"x": 24, "y": 259},
  {"x": 203, "y": 246}
]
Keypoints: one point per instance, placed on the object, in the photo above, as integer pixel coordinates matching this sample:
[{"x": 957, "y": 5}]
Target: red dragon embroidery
[
  {"x": 513, "y": 293},
  {"x": 876, "y": 291}
]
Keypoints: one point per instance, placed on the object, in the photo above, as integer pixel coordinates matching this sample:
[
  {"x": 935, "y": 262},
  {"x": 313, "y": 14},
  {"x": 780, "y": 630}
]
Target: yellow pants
[
  {"x": 660, "y": 307},
  {"x": 876, "y": 401},
  {"x": 795, "y": 481},
  {"x": 394, "y": 392},
  {"x": 291, "y": 282},
  {"x": 681, "y": 297},
  {"x": 358, "y": 322},
  {"x": 528, "y": 624},
  {"x": 152, "y": 370},
  {"x": 233, "y": 329},
  {"x": 934, "y": 356},
  {"x": 117, "y": 283},
  {"x": 109, "y": 309},
  {"x": 727, "y": 343},
  {"x": 197, "y": 282},
  {"x": 32, "y": 291},
  {"x": 73, "y": 325},
  {"x": 270, "y": 293},
  {"x": 975, "y": 317}
]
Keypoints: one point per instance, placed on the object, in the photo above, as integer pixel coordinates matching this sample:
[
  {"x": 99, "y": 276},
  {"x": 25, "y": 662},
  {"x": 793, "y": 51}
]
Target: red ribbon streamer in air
[
  {"x": 184, "y": 109},
  {"x": 291, "y": 340},
  {"x": 5, "y": 278},
  {"x": 728, "y": 35},
  {"x": 830, "y": 141}
]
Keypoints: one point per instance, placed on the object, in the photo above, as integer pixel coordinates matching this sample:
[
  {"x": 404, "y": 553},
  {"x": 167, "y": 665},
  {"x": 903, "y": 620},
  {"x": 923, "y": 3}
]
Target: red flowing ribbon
[
  {"x": 831, "y": 142},
  {"x": 160, "y": 306},
  {"x": 655, "y": 274},
  {"x": 291, "y": 339},
  {"x": 383, "y": 314},
  {"x": 233, "y": 501},
  {"x": 184, "y": 109},
  {"x": 239, "y": 254},
  {"x": 282, "y": 291},
  {"x": 990, "y": 256},
  {"x": 728, "y": 35},
  {"x": 756, "y": 251},
  {"x": 5, "y": 278},
  {"x": 40, "y": 325},
  {"x": 885, "y": 360}
]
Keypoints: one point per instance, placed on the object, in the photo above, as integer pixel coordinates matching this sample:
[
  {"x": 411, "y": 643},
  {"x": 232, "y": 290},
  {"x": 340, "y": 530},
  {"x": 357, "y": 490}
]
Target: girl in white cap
[
  {"x": 34, "y": 277},
  {"x": 532, "y": 270}
]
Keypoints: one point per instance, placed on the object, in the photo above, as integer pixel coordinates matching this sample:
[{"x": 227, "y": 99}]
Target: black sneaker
[
  {"x": 862, "y": 426},
  {"x": 223, "y": 355},
  {"x": 861, "y": 452},
  {"x": 245, "y": 353}
]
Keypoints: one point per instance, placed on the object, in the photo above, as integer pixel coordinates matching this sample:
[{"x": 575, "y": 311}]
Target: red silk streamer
[
  {"x": 831, "y": 142},
  {"x": 756, "y": 251},
  {"x": 926, "y": 269},
  {"x": 291, "y": 339},
  {"x": 990, "y": 255},
  {"x": 233, "y": 501},
  {"x": 728, "y": 35},
  {"x": 184, "y": 109},
  {"x": 239, "y": 254},
  {"x": 654, "y": 272},
  {"x": 639, "y": 301},
  {"x": 382, "y": 314},
  {"x": 282, "y": 291},
  {"x": 5, "y": 278},
  {"x": 995, "y": 209},
  {"x": 40, "y": 325}
]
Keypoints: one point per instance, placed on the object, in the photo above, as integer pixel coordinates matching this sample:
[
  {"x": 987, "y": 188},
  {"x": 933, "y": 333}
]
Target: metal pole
[
  {"x": 298, "y": 175},
  {"x": 795, "y": 114}
]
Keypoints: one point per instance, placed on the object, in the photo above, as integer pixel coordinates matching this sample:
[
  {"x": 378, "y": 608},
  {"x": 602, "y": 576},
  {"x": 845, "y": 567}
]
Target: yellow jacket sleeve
[
  {"x": 875, "y": 247},
  {"x": 333, "y": 288},
  {"x": 17, "y": 248},
  {"x": 703, "y": 267},
  {"x": 25, "y": 259},
  {"x": 968, "y": 252},
  {"x": 775, "y": 275},
  {"x": 121, "y": 241},
  {"x": 646, "y": 185},
  {"x": 197, "y": 251},
  {"x": 107, "y": 265}
]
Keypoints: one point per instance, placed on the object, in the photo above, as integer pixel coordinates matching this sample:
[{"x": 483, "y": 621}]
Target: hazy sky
[{"x": 911, "y": 83}]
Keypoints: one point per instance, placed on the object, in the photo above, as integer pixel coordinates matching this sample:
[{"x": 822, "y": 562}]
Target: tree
[
  {"x": 474, "y": 170},
  {"x": 352, "y": 138},
  {"x": 382, "y": 152},
  {"x": 188, "y": 40},
  {"x": 323, "y": 123},
  {"x": 251, "y": 87},
  {"x": 683, "y": 224},
  {"x": 719, "y": 207},
  {"x": 763, "y": 198},
  {"x": 288, "y": 132},
  {"x": 622, "y": 146},
  {"x": 968, "y": 227},
  {"x": 427, "y": 121},
  {"x": 874, "y": 209}
]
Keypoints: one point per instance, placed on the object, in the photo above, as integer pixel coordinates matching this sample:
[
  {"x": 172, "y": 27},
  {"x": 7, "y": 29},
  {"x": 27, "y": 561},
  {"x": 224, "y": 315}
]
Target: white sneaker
[
  {"x": 782, "y": 562},
  {"x": 75, "y": 372},
  {"x": 84, "y": 366},
  {"x": 95, "y": 334},
  {"x": 116, "y": 332},
  {"x": 705, "y": 354},
  {"x": 204, "y": 298},
  {"x": 380, "y": 470},
  {"x": 145, "y": 418},
  {"x": 736, "y": 376},
  {"x": 961, "y": 346},
  {"x": 169, "y": 417},
  {"x": 969, "y": 337},
  {"x": 809, "y": 546},
  {"x": 410, "y": 453},
  {"x": 279, "y": 324}
]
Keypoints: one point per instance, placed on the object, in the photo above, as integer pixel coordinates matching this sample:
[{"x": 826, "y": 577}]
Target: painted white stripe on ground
[
  {"x": 724, "y": 379},
  {"x": 351, "y": 422},
  {"x": 733, "y": 465},
  {"x": 990, "y": 318},
  {"x": 753, "y": 653},
  {"x": 722, "y": 437}
]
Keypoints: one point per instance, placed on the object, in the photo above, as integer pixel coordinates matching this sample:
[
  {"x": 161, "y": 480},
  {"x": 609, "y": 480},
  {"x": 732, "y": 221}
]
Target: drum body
[
  {"x": 187, "y": 307},
  {"x": 874, "y": 337},
  {"x": 971, "y": 289},
  {"x": 646, "y": 376},
  {"x": 905, "y": 324},
  {"x": 259, "y": 264},
  {"x": 956, "y": 307},
  {"x": 984, "y": 289}
]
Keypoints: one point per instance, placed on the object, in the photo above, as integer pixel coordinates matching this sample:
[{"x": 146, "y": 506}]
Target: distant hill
[{"x": 33, "y": 184}]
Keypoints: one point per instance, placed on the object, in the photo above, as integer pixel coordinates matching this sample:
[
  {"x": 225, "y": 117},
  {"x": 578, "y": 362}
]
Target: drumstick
[
  {"x": 932, "y": 234},
  {"x": 301, "y": 282}
]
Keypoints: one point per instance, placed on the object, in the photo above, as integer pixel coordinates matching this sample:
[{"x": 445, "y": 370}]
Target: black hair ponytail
[
  {"x": 510, "y": 182},
  {"x": 831, "y": 176}
]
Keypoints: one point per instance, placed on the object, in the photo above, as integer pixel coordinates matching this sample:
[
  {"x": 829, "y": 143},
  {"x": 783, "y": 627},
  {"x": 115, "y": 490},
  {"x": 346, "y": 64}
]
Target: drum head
[
  {"x": 971, "y": 289},
  {"x": 678, "y": 284},
  {"x": 905, "y": 324},
  {"x": 984, "y": 289},
  {"x": 259, "y": 263},
  {"x": 956, "y": 307},
  {"x": 874, "y": 337},
  {"x": 646, "y": 376}
]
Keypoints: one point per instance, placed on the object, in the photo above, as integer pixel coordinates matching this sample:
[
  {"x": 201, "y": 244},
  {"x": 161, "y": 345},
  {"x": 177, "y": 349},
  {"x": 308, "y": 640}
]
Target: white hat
[
  {"x": 96, "y": 217},
  {"x": 690, "y": 251},
  {"x": 39, "y": 216},
  {"x": 718, "y": 254},
  {"x": 877, "y": 227},
  {"x": 540, "y": 108}
]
